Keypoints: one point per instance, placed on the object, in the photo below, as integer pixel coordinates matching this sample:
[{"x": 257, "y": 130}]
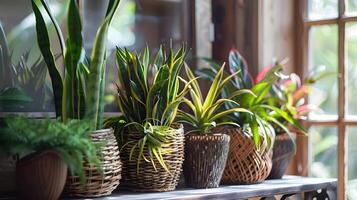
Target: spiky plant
[
  {"x": 148, "y": 97},
  {"x": 206, "y": 113},
  {"x": 23, "y": 136},
  {"x": 79, "y": 91},
  {"x": 264, "y": 112}
]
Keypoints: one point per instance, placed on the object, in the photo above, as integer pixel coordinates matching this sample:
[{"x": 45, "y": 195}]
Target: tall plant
[{"x": 78, "y": 92}]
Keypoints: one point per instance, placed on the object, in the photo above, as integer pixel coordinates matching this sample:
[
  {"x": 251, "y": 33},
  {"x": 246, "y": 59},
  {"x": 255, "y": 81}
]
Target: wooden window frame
[{"x": 342, "y": 122}]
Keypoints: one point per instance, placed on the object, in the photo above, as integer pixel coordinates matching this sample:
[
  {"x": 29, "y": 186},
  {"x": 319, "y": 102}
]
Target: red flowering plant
[{"x": 291, "y": 93}]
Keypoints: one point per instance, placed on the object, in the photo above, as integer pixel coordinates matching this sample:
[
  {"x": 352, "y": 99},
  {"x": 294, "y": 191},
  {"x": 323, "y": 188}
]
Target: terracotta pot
[
  {"x": 283, "y": 151},
  {"x": 41, "y": 176},
  {"x": 205, "y": 160}
]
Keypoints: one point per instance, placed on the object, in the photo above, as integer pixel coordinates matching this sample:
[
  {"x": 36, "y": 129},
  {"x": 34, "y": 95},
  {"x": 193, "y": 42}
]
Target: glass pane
[
  {"x": 351, "y": 7},
  {"x": 352, "y": 162},
  {"x": 323, "y": 151},
  {"x": 351, "y": 68},
  {"x": 322, "y": 9},
  {"x": 323, "y": 58}
]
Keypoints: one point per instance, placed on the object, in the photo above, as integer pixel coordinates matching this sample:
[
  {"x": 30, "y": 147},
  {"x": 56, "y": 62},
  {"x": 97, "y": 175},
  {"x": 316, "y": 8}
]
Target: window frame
[{"x": 304, "y": 25}]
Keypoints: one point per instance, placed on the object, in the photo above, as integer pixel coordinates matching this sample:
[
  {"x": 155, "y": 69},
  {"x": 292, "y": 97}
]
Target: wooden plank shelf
[{"x": 318, "y": 188}]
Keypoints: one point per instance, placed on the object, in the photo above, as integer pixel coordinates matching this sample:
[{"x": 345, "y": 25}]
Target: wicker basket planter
[
  {"x": 283, "y": 151},
  {"x": 41, "y": 176},
  {"x": 245, "y": 164},
  {"x": 7, "y": 174},
  {"x": 206, "y": 157},
  {"x": 98, "y": 185},
  {"x": 147, "y": 178}
]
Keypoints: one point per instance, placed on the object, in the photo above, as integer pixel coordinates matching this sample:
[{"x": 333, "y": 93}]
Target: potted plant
[
  {"x": 148, "y": 97},
  {"x": 207, "y": 147},
  {"x": 249, "y": 159},
  {"x": 46, "y": 148},
  {"x": 79, "y": 91},
  {"x": 291, "y": 92}
]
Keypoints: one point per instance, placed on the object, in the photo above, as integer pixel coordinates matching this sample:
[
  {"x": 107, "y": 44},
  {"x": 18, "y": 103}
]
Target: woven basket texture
[
  {"x": 147, "y": 178},
  {"x": 205, "y": 160},
  {"x": 245, "y": 164},
  {"x": 98, "y": 184},
  {"x": 283, "y": 151}
]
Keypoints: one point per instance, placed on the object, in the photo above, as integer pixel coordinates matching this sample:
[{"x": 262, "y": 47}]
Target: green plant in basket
[
  {"x": 264, "y": 113},
  {"x": 149, "y": 96},
  {"x": 208, "y": 113},
  {"x": 24, "y": 136}
]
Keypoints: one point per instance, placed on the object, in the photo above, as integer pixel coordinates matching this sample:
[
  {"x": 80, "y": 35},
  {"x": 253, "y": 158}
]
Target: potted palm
[
  {"x": 148, "y": 97},
  {"x": 249, "y": 159},
  {"x": 46, "y": 148},
  {"x": 207, "y": 147},
  {"x": 78, "y": 92}
]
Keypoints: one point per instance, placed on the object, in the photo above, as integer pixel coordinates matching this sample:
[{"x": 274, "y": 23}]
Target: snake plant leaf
[
  {"x": 45, "y": 48},
  {"x": 97, "y": 59}
]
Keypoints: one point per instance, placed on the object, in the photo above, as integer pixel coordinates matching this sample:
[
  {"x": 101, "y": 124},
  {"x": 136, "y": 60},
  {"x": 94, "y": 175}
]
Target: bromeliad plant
[
  {"x": 208, "y": 113},
  {"x": 23, "y": 136},
  {"x": 264, "y": 113},
  {"x": 79, "y": 91},
  {"x": 148, "y": 97},
  {"x": 291, "y": 92}
]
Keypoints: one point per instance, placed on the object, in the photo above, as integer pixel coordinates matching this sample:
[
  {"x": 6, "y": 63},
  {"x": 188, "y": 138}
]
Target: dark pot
[
  {"x": 205, "y": 160},
  {"x": 283, "y": 151},
  {"x": 41, "y": 176},
  {"x": 7, "y": 174}
]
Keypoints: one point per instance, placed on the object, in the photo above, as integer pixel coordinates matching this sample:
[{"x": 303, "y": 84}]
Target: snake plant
[
  {"x": 207, "y": 113},
  {"x": 149, "y": 96},
  {"x": 79, "y": 91}
]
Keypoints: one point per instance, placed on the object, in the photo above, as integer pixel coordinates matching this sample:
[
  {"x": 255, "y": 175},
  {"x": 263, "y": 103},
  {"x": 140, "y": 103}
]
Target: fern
[{"x": 23, "y": 136}]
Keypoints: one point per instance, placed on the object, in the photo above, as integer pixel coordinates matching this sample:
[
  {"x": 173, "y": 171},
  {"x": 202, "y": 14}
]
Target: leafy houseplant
[
  {"x": 290, "y": 91},
  {"x": 78, "y": 92},
  {"x": 258, "y": 133},
  {"x": 148, "y": 97},
  {"x": 46, "y": 147},
  {"x": 206, "y": 148}
]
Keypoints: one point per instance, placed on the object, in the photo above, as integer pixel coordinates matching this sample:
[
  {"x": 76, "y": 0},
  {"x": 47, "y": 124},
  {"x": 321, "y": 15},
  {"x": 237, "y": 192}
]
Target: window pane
[
  {"x": 351, "y": 7},
  {"x": 322, "y": 9},
  {"x": 323, "y": 151},
  {"x": 323, "y": 58},
  {"x": 351, "y": 67},
  {"x": 352, "y": 162}
]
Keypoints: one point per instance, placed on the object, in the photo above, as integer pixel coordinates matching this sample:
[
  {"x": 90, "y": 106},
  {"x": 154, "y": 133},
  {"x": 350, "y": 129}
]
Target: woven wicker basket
[
  {"x": 245, "y": 164},
  {"x": 206, "y": 157},
  {"x": 97, "y": 184},
  {"x": 147, "y": 179},
  {"x": 7, "y": 174},
  {"x": 283, "y": 151}
]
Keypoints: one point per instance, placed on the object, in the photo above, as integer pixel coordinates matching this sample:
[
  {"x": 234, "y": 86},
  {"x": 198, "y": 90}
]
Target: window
[
  {"x": 137, "y": 23},
  {"x": 330, "y": 44}
]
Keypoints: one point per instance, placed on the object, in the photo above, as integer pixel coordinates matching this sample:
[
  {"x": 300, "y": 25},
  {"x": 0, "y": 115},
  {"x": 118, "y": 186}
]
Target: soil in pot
[
  {"x": 246, "y": 164},
  {"x": 205, "y": 160},
  {"x": 283, "y": 152},
  {"x": 41, "y": 176},
  {"x": 149, "y": 178}
]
